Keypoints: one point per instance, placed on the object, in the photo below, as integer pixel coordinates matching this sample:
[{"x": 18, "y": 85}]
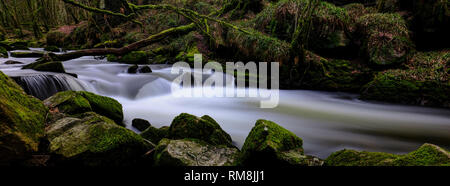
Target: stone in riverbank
[
  {"x": 72, "y": 102},
  {"x": 426, "y": 155},
  {"x": 155, "y": 135},
  {"x": 140, "y": 124},
  {"x": 424, "y": 81},
  {"x": 269, "y": 144},
  {"x": 204, "y": 128},
  {"x": 188, "y": 152},
  {"x": 93, "y": 140},
  {"x": 385, "y": 38},
  {"x": 3, "y": 52},
  {"x": 22, "y": 120}
]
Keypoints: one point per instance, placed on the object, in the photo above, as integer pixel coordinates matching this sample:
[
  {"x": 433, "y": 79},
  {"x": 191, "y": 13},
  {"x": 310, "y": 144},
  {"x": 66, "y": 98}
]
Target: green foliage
[{"x": 426, "y": 155}]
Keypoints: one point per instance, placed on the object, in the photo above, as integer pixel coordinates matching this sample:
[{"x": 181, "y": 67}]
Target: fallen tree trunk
[{"x": 126, "y": 49}]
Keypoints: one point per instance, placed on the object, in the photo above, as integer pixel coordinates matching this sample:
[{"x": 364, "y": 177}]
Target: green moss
[
  {"x": 385, "y": 37},
  {"x": 424, "y": 81},
  {"x": 3, "y": 52},
  {"x": 79, "y": 102},
  {"x": 155, "y": 135},
  {"x": 426, "y": 155},
  {"x": 189, "y": 126},
  {"x": 266, "y": 141},
  {"x": 135, "y": 57},
  {"x": 22, "y": 120},
  {"x": 94, "y": 140},
  {"x": 50, "y": 67}
]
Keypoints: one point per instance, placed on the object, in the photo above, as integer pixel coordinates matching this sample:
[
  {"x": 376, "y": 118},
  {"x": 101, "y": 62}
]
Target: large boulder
[
  {"x": 193, "y": 153},
  {"x": 319, "y": 73},
  {"x": 22, "y": 121},
  {"x": 204, "y": 128},
  {"x": 56, "y": 38},
  {"x": 269, "y": 144},
  {"x": 385, "y": 39},
  {"x": 94, "y": 140},
  {"x": 72, "y": 103},
  {"x": 424, "y": 81},
  {"x": 426, "y": 155},
  {"x": 329, "y": 25}
]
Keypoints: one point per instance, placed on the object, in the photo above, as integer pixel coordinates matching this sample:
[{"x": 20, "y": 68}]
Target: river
[{"x": 326, "y": 121}]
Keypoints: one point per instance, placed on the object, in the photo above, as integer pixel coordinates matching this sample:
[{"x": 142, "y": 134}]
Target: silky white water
[{"x": 326, "y": 121}]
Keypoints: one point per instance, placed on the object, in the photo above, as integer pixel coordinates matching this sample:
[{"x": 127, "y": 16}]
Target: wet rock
[
  {"x": 193, "y": 153},
  {"x": 72, "y": 103},
  {"x": 269, "y": 144},
  {"x": 50, "y": 67},
  {"x": 22, "y": 121},
  {"x": 27, "y": 54},
  {"x": 140, "y": 124},
  {"x": 133, "y": 69},
  {"x": 426, "y": 155},
  {"x": 154, "y": 134},
  {"x": 204, "y": 128},
  {"x": 93, "y": 140},
  {"x": 11, "y": 62},
  {"x": 145, "y": 69}
]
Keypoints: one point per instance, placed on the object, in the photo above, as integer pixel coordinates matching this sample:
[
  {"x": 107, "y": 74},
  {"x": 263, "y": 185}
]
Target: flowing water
[{"x": 326, "y": 121}]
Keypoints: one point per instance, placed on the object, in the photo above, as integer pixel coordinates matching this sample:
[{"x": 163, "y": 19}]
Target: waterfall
[{"x": 43, "y": 86}]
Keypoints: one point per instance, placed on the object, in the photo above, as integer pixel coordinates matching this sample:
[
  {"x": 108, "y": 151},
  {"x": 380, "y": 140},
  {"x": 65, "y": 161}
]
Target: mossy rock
[
  {"x": 269, "y": 144},
  {"x": 190, "y": 126},
  {"x": 329, "y": 24},
  {"x": 189, "y": 152},
  {"x": 22, "y": 121},
  {"x": 50, "y": 67},
  {"x": 140, "y": 124},
  {"x": 385, "y": 39},
  {"x": 154, "y": 134},
  {"x": 135, "y": 57},
  {"x": 318, "y": 73},
  {"x": 424, "y": 81},
  {"x": 133, "y": 69},
  {"x": 72, "y": 103},
  {"x": 52, "y": 48},
  {"x": 27, "y": 54},
  {"x": 426, "y": 155},
  {"x": 94, "y": 140}
]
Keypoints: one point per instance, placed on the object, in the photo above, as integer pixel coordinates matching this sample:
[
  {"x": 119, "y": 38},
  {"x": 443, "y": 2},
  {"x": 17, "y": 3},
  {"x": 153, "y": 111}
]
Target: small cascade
[{"x": 43, "y": 86}]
